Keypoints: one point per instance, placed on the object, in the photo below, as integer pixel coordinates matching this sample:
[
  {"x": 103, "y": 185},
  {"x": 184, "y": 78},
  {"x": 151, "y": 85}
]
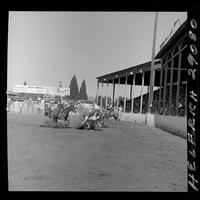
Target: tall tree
[
  {"x": 73, "y": 88},
  {"x": 82, "y": 92}
]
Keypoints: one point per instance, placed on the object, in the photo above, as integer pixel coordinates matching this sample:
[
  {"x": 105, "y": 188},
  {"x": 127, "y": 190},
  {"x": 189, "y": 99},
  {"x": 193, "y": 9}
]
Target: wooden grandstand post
[
  {"x": 132, "y": 103},
  {"x": 118, "y": 92},
  {"x": 131, "y": 91},
  {"x": 171, "y": 86},
  {"x": 101, "y": 94},
  {"x": 106, "y": 93},
  {"x": 141, "y": 92},
  {"x": 152, "y": 72},
  {"x": 125, "y": 94},
  {"x": 165, "y": 86},
  {"x": 178, "y": 81},
  {"x": 97, "y": 95},
  {"x": 113, "y": 97},
  {"x": 186, "y": 99},
  {"x": 161, "y": 77}
]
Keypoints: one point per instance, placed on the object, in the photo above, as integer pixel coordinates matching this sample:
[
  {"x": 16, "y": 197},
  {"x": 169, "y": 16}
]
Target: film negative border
[{"x": 193, "y": 103}]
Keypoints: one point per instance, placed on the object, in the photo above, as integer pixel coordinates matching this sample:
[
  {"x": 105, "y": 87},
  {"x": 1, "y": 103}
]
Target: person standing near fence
[
  {"x": 38, "y": 105},
  {"x": 42, "y": 105},
  {"x": 8, "y": 104},
  {"x": 31, "y": 104},
  {"x": 16, "y": 106},
  {"x": 20, "y": 106}
]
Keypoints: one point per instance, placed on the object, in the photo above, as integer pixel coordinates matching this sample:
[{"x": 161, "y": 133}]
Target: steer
[{"x": 91, "y": 119}]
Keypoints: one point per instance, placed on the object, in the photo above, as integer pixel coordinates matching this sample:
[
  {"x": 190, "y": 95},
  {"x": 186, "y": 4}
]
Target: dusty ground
[{"x": 124, "y": 157}]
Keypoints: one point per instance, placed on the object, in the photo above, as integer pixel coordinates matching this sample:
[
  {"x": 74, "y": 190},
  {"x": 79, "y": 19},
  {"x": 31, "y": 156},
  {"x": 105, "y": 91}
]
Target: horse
[
  {"x": 109, "y": 113},
  {"x": 62, "y": 112}
]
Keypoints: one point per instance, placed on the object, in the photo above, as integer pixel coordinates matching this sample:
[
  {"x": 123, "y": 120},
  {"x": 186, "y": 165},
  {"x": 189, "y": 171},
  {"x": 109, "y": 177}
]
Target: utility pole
[
  {"x": 152, "y": 74},
  {"x": 60, "y": 84}
]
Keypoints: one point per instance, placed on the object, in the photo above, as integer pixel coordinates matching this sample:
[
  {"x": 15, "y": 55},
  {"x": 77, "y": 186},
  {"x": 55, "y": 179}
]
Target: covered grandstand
[{"x": 170, "y": 87}]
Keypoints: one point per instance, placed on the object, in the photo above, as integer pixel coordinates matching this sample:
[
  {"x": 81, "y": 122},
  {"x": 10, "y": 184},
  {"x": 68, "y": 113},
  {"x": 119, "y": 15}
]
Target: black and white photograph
[{"x": 97, "y": 101}]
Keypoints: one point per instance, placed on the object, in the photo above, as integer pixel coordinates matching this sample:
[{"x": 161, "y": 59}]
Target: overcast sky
[{"x": 47, "y": 47}]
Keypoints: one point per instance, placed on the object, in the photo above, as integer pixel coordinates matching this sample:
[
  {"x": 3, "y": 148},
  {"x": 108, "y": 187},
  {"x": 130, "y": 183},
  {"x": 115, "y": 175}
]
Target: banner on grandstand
[{"x": 41, "y": 90}]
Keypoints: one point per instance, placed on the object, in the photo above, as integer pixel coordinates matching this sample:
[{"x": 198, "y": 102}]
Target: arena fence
[
  {"x": 167, "y": 123},
  {"x": 26, "y": 107}
]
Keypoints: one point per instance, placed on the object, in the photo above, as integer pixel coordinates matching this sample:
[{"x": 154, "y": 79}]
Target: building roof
[{"x": 11, "y": 93}]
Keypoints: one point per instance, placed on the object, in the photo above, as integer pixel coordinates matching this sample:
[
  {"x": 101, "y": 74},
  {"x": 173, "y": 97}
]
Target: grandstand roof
[
  {"x": 146, "y": 67},
  {"x": 175, "y": 37}
]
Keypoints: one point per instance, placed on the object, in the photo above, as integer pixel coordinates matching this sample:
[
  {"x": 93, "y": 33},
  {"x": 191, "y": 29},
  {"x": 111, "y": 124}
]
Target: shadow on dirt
[
  {"x": 53, "y": 124},
  {"x": 86, "y": 129}
]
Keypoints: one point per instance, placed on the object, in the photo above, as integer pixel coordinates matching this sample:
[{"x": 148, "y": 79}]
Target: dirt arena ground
[{"x": 124, "y": 157}]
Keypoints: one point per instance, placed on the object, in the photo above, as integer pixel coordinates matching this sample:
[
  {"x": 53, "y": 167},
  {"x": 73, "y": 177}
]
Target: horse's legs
[
  {"x": 88, "y": 126},
  {"x": 55, "y": 117},
  {"x": 86, "y": 117},
  {"x": 66, "y": 125},
  {"x": 99, "y": 124},
  {"x": 93, "y": 125},
  {"x": 116, "y": 119}
]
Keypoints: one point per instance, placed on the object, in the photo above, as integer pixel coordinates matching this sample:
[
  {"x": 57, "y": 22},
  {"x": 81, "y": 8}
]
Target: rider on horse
[
  {"x": 93, "y": 117},
  {"x": 61, "y": 111}
]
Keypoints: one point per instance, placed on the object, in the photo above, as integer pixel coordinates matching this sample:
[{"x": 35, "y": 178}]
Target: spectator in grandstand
[
  {"x": 120, "y": 108},
  {"x": 121, "y": 103},
  {"x": 151, "y": 107},
  {"x": 180, "y": 105},
  {"x": 181, "y": 109},
  {"x": 161, "y": 110},
  {"x": 173, "y": 113}
]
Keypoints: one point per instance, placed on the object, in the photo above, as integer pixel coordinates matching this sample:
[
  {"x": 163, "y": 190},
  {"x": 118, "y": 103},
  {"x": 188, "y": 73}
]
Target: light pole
[{"x": 152, "y": 74}]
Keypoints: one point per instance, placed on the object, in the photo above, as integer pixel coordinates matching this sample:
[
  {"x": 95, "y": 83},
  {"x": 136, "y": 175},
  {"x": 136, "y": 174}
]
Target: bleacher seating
[{"x": 155, "y": 106}]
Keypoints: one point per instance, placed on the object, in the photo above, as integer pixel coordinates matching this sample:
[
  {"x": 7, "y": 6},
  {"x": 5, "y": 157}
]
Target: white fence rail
[{"x": 26, "y": 107}]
